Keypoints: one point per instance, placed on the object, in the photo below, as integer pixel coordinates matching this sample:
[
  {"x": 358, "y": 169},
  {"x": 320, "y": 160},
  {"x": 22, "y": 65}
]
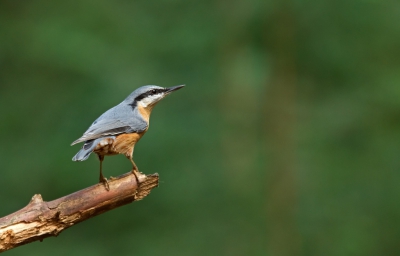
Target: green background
[{"x": 285, "y": 140}]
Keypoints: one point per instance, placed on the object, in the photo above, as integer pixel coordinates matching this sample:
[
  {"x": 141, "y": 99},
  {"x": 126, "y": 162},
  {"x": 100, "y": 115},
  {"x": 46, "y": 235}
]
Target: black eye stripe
[
  {"x": 148, "y": 93},
  {"x": 154, "y": 91}
]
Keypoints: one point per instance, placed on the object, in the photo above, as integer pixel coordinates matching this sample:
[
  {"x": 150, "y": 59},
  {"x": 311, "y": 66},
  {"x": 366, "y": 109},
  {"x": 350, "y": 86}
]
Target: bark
[{"x": 41, "y": 219}]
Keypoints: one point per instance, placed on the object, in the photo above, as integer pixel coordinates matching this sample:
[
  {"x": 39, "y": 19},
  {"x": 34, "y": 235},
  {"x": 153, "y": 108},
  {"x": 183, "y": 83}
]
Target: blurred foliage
[{"x": 285, "y": 140}]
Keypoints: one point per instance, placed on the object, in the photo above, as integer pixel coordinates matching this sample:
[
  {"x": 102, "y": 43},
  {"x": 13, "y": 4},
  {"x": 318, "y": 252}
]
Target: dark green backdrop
[{"x": 285, "y": 140}]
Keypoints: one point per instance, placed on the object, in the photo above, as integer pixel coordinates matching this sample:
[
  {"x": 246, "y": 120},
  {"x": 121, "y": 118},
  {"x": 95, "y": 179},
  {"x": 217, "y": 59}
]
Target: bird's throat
[{"x": 145, "y": 112}]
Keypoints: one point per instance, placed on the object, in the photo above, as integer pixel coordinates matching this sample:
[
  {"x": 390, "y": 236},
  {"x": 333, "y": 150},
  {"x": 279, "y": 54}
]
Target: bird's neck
[{"x": 145, "y": 112}]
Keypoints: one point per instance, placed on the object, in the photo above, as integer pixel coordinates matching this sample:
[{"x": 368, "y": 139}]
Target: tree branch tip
[{"x": 150, "y": 181}]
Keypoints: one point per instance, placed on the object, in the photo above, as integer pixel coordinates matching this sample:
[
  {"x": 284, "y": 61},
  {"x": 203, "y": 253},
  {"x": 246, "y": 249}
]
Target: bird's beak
[{"x": 173, "y": 88}]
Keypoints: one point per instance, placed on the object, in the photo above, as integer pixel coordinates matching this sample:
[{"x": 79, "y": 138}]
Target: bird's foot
[
  {"x": 105, "y": 183},
  {"x": 140, "y": 177}
]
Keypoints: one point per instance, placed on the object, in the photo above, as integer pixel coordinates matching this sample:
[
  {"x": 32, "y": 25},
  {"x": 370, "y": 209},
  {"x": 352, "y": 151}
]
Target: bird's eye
[{"x": 153, "y": 91}]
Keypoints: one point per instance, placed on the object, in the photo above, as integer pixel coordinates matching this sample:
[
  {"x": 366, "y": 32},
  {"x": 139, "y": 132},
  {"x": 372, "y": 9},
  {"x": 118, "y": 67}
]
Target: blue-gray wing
[{"x": 117, "y": 120}]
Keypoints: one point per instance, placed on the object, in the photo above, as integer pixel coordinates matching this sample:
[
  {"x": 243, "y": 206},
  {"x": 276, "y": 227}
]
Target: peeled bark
[{"x": 41, "y": 219}]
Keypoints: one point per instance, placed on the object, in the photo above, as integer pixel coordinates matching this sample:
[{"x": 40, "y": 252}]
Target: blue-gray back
[{"x": 123, "y": 118}]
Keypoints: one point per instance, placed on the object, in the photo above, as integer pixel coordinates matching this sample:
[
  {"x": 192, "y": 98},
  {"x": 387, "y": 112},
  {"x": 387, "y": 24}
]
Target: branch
[{"x": 40, "y": 219}]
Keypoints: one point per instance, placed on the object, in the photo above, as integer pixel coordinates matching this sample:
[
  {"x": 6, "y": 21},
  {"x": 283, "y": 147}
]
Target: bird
[{"x": 118, "y": 129}]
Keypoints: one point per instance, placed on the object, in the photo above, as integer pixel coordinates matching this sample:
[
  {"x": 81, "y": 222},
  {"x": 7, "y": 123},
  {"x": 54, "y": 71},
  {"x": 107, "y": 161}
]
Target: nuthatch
[{"x": 121, "y": 127}]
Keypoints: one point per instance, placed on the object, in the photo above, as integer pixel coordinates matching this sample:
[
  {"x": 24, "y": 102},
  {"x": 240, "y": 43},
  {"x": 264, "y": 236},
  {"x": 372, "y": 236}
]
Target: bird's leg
[
  {"x": 102, "y": 179},
  {"x": 135, "y": 170},
  {"x": 134, "y": 167}
]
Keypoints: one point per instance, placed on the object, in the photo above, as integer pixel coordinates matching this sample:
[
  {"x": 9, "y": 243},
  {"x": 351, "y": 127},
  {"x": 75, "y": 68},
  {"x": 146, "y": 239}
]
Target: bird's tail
[{"x": 85, "y": 151}]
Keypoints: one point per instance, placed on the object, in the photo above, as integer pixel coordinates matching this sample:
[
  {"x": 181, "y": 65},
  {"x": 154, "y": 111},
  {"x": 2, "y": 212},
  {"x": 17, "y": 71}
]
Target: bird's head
[{"x": 148, "y": 96}]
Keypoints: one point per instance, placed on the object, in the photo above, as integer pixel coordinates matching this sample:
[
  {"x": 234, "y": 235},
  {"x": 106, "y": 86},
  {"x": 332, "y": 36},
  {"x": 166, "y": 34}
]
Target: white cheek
[
  {"x": 143, "y": 103},
  {"x": 149, "y": 100}
]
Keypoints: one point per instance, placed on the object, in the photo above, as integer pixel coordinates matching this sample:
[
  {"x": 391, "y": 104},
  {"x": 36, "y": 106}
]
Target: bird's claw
[
  {"x": 138, "y": 175},
  {"x": 105, "y": 183}
]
